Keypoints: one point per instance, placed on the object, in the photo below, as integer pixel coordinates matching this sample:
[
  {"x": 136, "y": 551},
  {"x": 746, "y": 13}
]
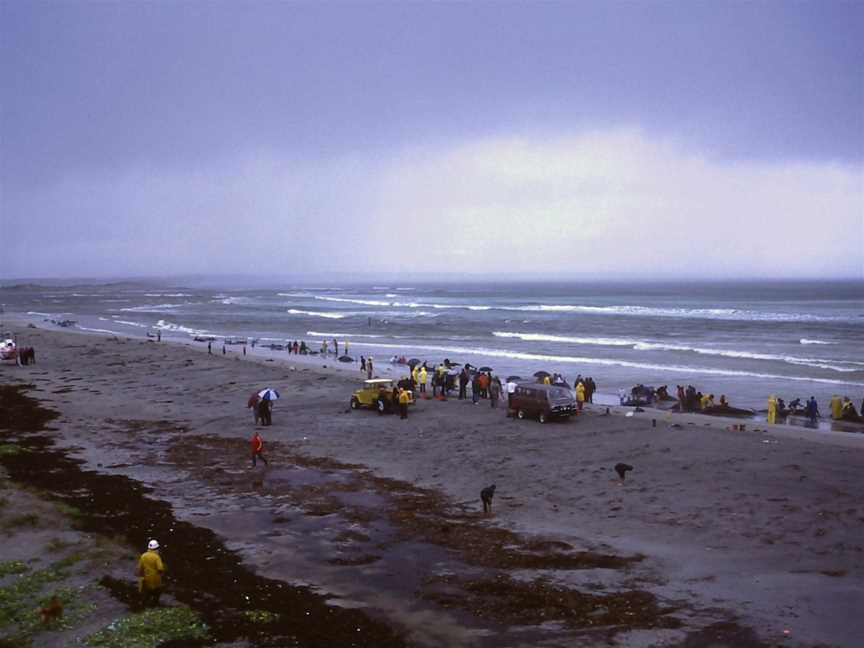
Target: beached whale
[{"x": 726, "y": 410}]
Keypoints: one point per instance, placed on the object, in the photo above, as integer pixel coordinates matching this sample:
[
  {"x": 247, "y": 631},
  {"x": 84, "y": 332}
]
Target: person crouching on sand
[
  {"x": 150, "y": 570},
  {"x": 257, "y": 444}
]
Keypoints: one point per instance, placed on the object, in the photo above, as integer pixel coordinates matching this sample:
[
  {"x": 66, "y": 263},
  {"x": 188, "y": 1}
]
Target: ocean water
[{"x": 744, "y": 340}]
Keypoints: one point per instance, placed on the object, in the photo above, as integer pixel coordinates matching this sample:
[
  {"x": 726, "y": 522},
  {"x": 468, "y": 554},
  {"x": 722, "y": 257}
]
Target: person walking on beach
[
  {"x": 475, "y": 388},
  {"x": 254, "y": 403},
  {"x": 483, "y": 381},
  {"x": 266, "y": 408},
  {"x": 336, "y": 347},
  {"x": 362, "y": 364},
  {"x": 150, "y": 570},
  {"x": 158, "y": 336},
  {"x": 210, "y": 347},
  {"x": 403, "y": 404},
  {"x": 369, "y": 368},
  {"x": 463, "y": 383},
  {"x": 257, "y": 444},
  {"x": 772, "y": 409},
  {"x": 580, "y": 395},
  {"x": 494, "y": 391},
  {"x": 812, "y": 410},
  {"x": 422, "y": 375},
  {"x": 591, "y": 387},
  {"x": 511, "y": 388}
]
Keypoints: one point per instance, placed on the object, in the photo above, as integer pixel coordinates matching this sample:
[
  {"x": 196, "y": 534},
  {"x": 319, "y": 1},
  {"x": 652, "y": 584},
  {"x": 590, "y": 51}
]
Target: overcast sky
[{"x": 604, "y": 139}]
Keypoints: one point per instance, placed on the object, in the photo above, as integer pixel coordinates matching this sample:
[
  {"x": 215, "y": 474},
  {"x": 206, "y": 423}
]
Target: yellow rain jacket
[
  {"x": 403, "y": 397},
  {"x": 836, "y": 407},
  {"x": 580, "y": 392},
  {"x": 415, "y": 375},
  {"x": 422, "y": 376},
  {"x": 772, "y": 409},
  {"x": 150, "y": 568},
  {"x": 705, "y": 402}
]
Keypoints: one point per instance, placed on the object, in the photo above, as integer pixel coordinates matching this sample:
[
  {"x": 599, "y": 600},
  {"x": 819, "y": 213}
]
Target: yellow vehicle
[{"x": 378, "y": 394}]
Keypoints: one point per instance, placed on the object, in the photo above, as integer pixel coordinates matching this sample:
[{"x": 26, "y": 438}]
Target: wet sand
[{"x": 742, "y": 538}]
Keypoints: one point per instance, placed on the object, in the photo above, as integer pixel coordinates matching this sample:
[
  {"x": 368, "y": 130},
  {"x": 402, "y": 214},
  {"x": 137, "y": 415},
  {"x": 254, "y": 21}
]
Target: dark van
[{"x": 542, "y": 401}]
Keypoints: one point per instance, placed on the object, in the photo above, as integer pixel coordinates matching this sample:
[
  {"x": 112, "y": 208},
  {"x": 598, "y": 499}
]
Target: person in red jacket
[{"x": 257, "y": 444}]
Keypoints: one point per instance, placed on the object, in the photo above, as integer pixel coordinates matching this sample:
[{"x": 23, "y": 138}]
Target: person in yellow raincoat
[
  {"x": 580, "y": 395},
  {"x": 772, "y": 409},
  {"x": 403, "y": 403},
  {"x": 150, "y": 570},
  {"x": 415, "y": 376},
  {"x": 421, "y": 379},
  {"x": 836, "y": 408}
]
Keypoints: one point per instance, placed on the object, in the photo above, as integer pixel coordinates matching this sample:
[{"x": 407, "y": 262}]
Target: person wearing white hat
[{"x": 150, "y": 570}]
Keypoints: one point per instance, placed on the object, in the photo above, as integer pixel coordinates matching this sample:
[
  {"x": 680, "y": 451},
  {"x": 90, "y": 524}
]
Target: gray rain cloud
[{"x": 599, "y": 140}]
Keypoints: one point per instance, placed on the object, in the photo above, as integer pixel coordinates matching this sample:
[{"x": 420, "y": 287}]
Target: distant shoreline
[{"x": 386, "y": 369}]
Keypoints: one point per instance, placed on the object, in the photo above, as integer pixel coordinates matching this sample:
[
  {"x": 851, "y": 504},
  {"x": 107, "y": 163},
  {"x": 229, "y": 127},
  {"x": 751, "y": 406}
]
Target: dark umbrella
[
  {"x": 542, "y": 374},
  {"x": 413, "y": 362},
  {"x": 453, "y": 364},
  {"x": 487, "y": 369},
  {"x": 346, "y": 358},
  {"x": 513, "y": 378}
]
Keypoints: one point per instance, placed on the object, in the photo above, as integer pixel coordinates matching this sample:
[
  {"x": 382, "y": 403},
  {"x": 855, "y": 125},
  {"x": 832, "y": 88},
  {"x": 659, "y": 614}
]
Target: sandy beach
[{"x": 718, "y": 537}]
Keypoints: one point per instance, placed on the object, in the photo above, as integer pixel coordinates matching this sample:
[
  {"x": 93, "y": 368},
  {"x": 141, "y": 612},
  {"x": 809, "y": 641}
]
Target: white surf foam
[
  {"x": 295, "y": 311},
  {"x": 346, "y": 300},
  {"x": 343, "y": 335},
  {"x": 167, "y": 295},
  {"x": 806, "y": 341},
  {"x": 607, "y": 362},
  {"x": 99, "y": 330},
  {"x": 150, "y": 308},
  {"x": 171, "y": 326},
  {"x": 844, "y": 366},
  {"x": 128, "y": 323},
  {"x": 542, "y": 337}
]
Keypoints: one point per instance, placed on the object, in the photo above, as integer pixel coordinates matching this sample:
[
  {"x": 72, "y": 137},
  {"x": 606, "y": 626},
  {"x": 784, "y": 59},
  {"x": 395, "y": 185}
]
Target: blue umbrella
[{"x": 268, "y": 394}]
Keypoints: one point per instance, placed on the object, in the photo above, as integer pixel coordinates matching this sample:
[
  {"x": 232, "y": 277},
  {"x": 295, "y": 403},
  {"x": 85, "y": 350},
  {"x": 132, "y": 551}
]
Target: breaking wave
[
  {"x": 628, "y": 310},
  {"x": 639, "y": 345},
  {"x": 171, "y": 326},
  {"x": 607, "y": 362},
  {"x": 151, "y": 308},
  {"x": 343, "y": 335},
  {"x": 294, "y": 311}
]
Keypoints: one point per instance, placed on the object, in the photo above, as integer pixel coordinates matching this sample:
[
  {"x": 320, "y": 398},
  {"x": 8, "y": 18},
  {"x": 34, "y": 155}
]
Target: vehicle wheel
[
  {"x": 355, "y": 403},
  {"x": 520, "y": 414},
  {"x": 542, "y": 417},
  {"x": 382, "y": 406}
]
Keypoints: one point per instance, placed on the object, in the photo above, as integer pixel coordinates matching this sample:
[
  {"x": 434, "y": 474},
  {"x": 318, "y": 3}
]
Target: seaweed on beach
[
  {"x": 506, "y": 600},
  {"x": 417, "y": 513},
  {"x": 203, "y": 574}
]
